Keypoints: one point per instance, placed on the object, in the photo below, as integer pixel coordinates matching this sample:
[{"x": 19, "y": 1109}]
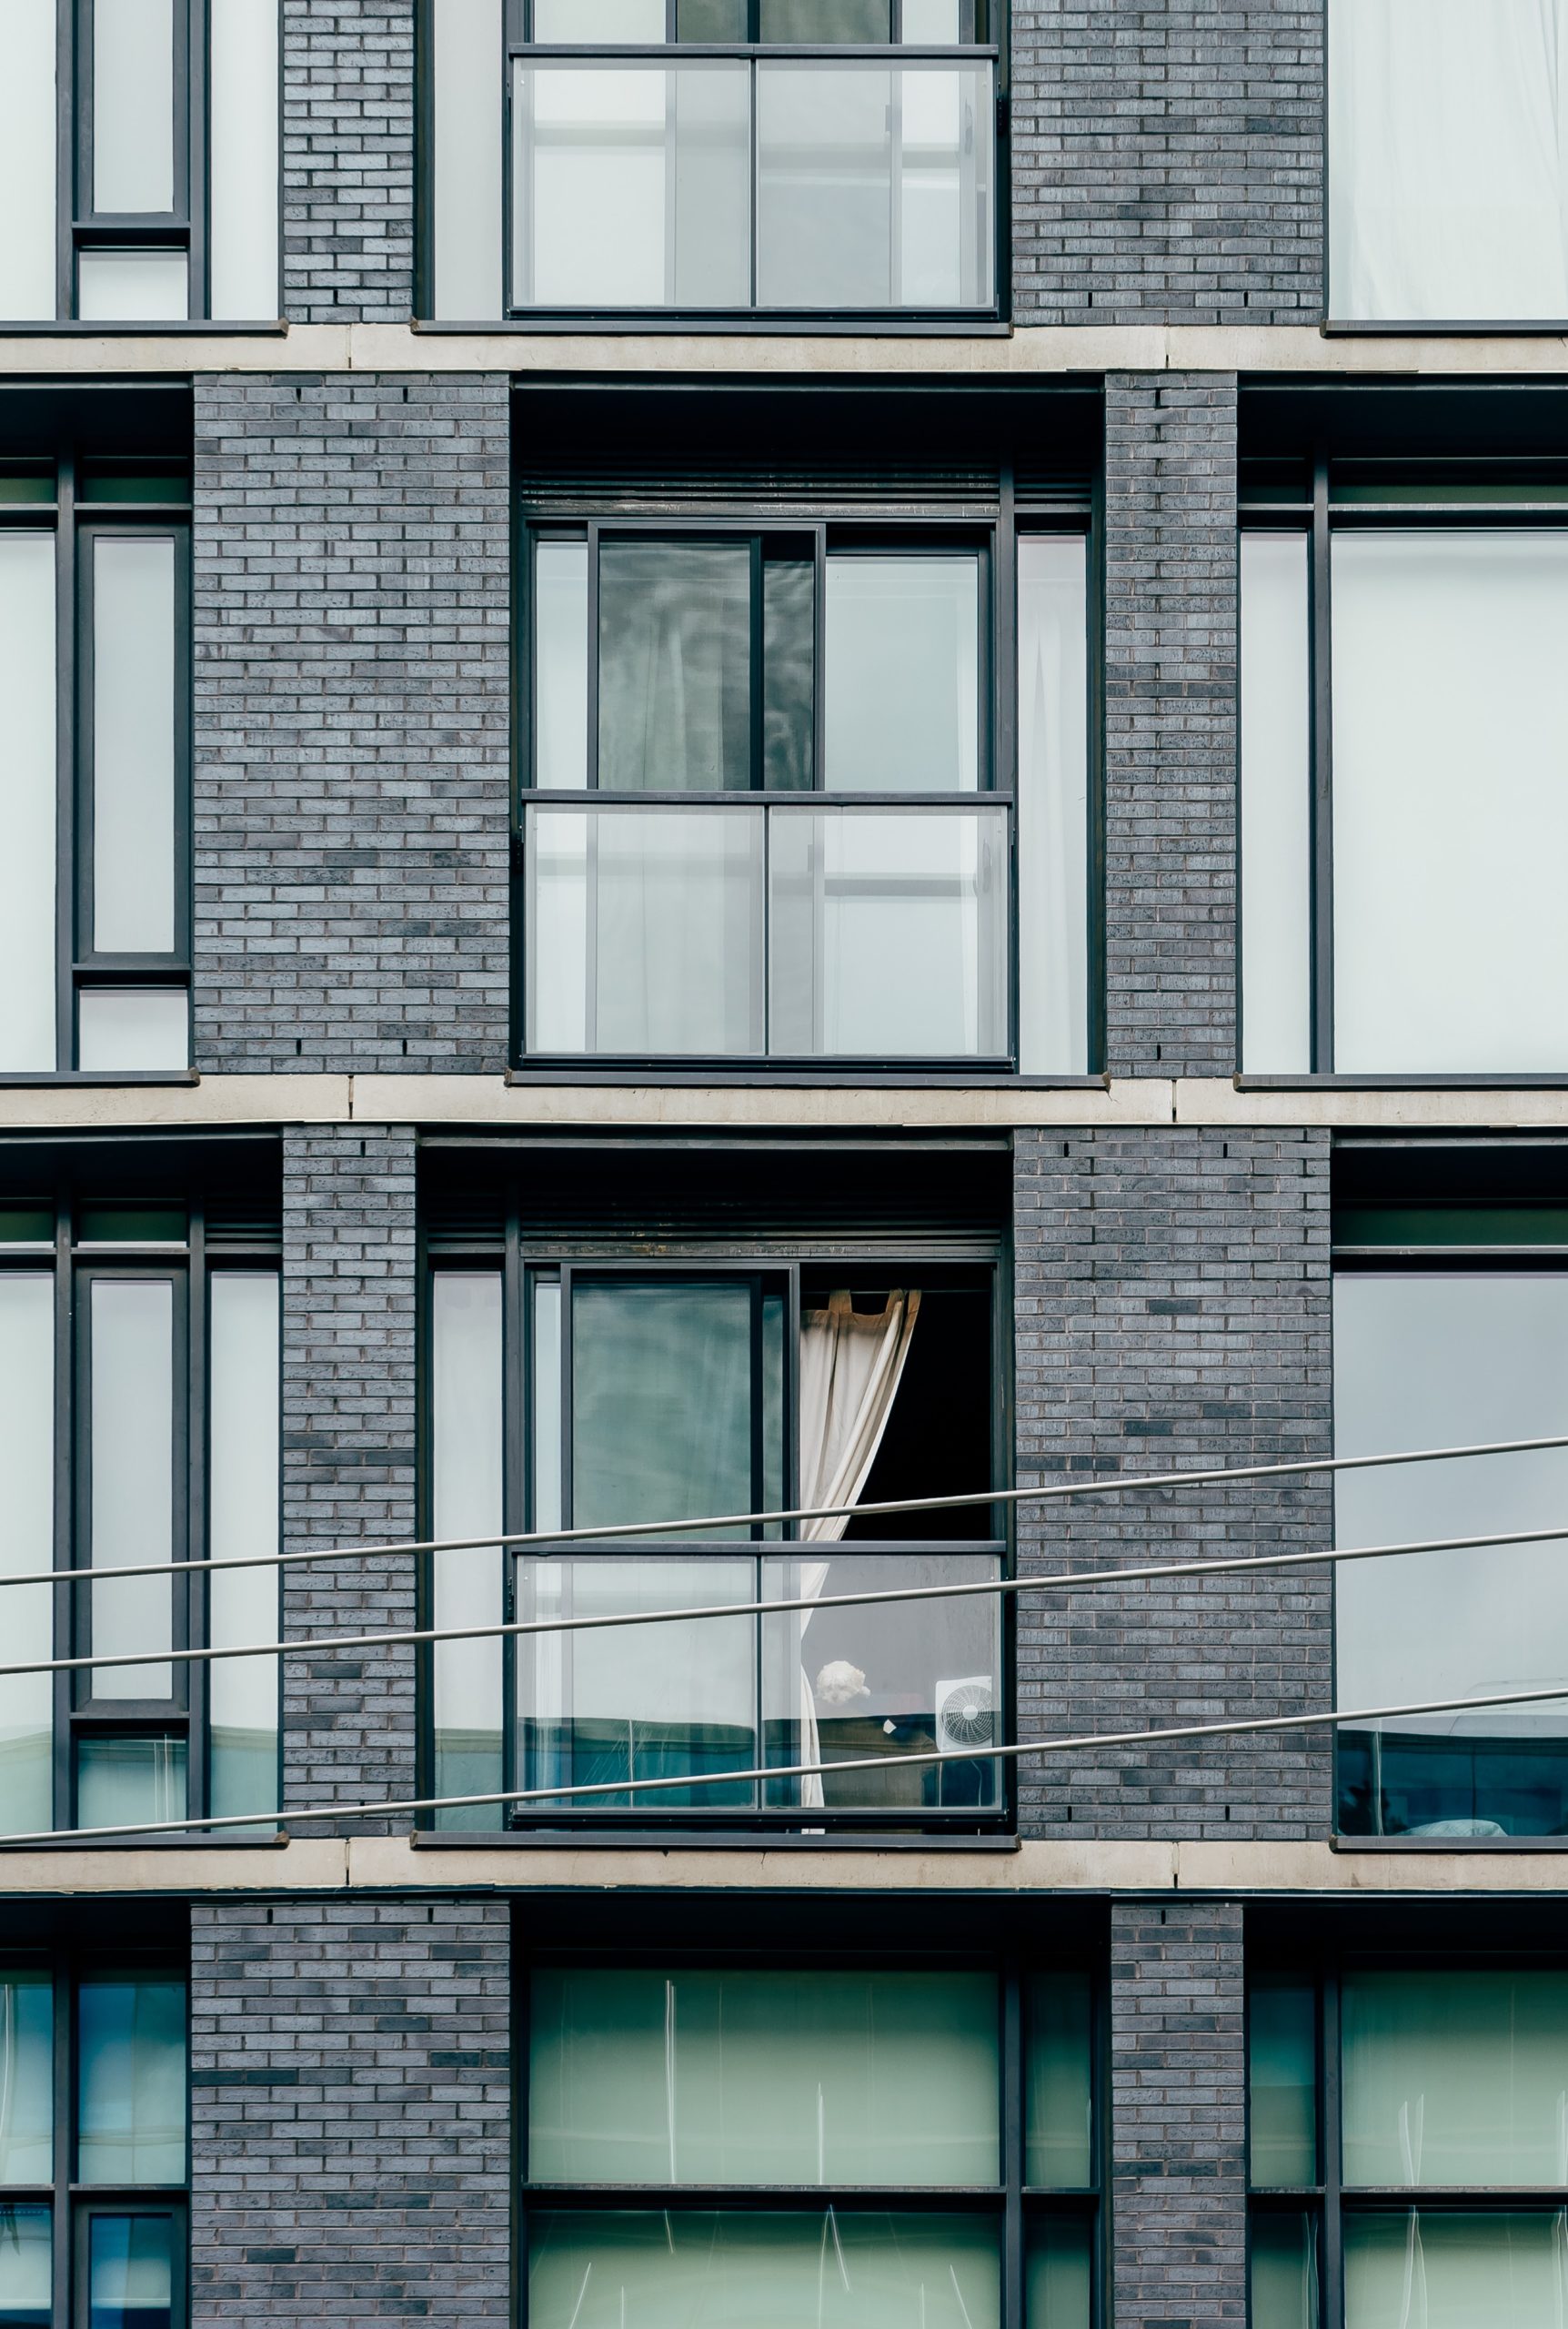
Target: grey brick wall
[
  {"x": 352, "y": 723},
  {"x": 1178, "y": 2097},
  {"x": 1171, "y": 1311},
  {"x": 1170, "y": 679},
  {"x": 1167, "y": 161},
  {"x": 348, "y": 161},
  {"x": 350, "y": 2112},
  {"x": 349, "y": 1303}
]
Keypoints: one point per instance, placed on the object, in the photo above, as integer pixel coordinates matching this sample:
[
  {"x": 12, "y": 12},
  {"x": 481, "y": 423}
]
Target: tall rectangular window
[{"x": 164, "y": 205}]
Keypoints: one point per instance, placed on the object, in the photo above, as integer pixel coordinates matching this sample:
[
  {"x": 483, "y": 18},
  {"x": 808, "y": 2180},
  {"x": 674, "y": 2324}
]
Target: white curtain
[
  {"x": 1447, "y": 176},
  {"x": 851, "y": 1364}
]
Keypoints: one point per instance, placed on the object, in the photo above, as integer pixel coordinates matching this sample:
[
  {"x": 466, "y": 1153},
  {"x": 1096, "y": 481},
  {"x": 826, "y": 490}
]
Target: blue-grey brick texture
[
  {"x": 1173, "y": 1312},
  {"x": 1167, "y": 161},
  {"x": 350, "y": 2112},
  {"x": 349, "y": 108},
  {"x": 352, "y": 634}
]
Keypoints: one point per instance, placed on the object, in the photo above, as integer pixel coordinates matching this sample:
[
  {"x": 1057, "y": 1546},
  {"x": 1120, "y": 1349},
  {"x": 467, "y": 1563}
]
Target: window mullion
[
  {"x": 1012, "y": 2146},
  {"x": 1322, "y": 796},
  {"x": 65, "y": 2018},
  {"x": 192, "y": 1591},
  {"x": 69, "y": 627},
  {"x": 1331, "y": 2271},
  {"x": 64, "y": 1556}
]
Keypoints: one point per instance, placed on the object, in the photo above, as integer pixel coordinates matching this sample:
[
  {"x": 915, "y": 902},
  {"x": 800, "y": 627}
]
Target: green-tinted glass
[
  {"x": 27, "y": 1224},
  {"x": 1059, "y": 2274},
  {"x": 742, "y": 2077},
  {"x": 661, "y": 1401},
  {"x": 1424, "y": 2270},
  {"x": 1283, "y": 2271},
  {"x": 1451, "y": 1224},
  {"x": 26, "y": 2077},
  {"x": 1058, "y": 2117},
  {"x": 138, "y": 1225},
  {"x": 712, "y": 20},
  {"x": 131, "y": 2081},
  {"x": 31, "y": 485},
  {"x": 1282, "y": 2065},
  {"x": 26, "y": 2270},
  {"x": 1455, "y": 2078},
  {"x": 1439, "y": 492},
  {"x": 121, "y": 481}
]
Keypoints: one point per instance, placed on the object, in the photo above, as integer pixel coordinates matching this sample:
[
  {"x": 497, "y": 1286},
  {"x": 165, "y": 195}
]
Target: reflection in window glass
[
  {"x": 1283, "y": 2101},
  {"x": 1455, "y": 2078},
  {"x": 28, "y": 1539},
  {"x": 26, "y": 2077},
  {"x": 661, "y": 1401},
  {"x": 675, "y": 666},
  {"x": 816, "y": 23},
  {"x": 131, "y": 2081},
  {"x": 902, "y": 679},
  {"x": 130, "y": 2273},
  {"x": 1058, "y": 2262},
  {"x": 129, "y": 1777},
  {"x": 26, "y": 2266},
  {"x": 1283, "y": 2276},
  {"x": 789, "y": 669},
  {"x": 1058, "y": 2122},
  {"x": 1489, "y": 2268}
]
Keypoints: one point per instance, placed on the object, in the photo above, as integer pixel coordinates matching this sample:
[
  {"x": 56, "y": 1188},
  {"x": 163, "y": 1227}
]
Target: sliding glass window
[
  {"x": 95, "y": 673},
  {"x": 712, "y": 156}
]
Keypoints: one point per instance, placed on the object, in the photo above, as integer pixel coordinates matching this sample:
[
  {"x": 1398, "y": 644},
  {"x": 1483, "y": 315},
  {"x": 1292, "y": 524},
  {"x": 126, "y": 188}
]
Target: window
[
  {"x": 1406, "y": 2143},
  {"x": 1447, "y": 164},
  {"x": 825, "y": 2143},
  {"x": 95, "y": 671},
  {"x": 138, "y": 1355},
  {"x": 1400, "y": 820},
  {"x": 712, "y": 156},
  {"x": 163, "y": 204},
  {"x": 93, "y": 2166},
  {"x": 578, "y": 1388}
]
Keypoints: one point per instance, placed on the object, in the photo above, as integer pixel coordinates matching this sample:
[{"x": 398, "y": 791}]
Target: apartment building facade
[{"x": 1046, "y": 532}]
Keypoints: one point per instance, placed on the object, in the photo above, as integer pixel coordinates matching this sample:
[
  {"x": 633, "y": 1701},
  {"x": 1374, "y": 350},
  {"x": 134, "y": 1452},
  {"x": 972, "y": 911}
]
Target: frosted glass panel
[
  {"x": 28, "y": 803},
  {"x": 1276, "y": 806},
  {"x": 133, "y": 1029},
  {"x": 468, "y": 1440},
  {"x": 131, "y": 2273},
  {"x": 26, "y": 2078},
  {"x": 134, "y": 106},
  {"x": 243, "y": 95},
  {"x": 134, "y": 680},
  {"x": 132, "y": 1477},
  {"x": 466, "y": 86},
  {"x": 25, "y": 2266},
  {"x": 741, "y": 2077},
  {"x": 547, "y": 1404},
  {"x": 560, "y": 663},
  {"x": 587, "y": 21},
  {"x": 1455, "y": 2078},
  {"x": 1053, "y": 804},
  {"x": 1059, "y": 2261},
  {"x": 131, "y": 2081},
  {"x": 1451, "y": 801},
  {"x": 27, "y": 1540},
  {"x": 243, "y": 1470},
  {"x": 1447, "y": 161},
  {"x": 1422, "y": 2270},
  {"x": 27, "y": 166},
  {"x": 847, "y": 2269},
  {"x": 931, "y": 23},
  {"x": 1282, "y": 2068},
  {"x": 1058, "y": 2118},
  {"x": 126, "y": 1779},
  {"x": 903, "y": 711},
  {"x": 119, "y": 287}
]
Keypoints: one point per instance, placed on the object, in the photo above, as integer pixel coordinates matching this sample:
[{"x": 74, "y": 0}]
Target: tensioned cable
[
  {"x": 611, "y": 1531},
  {"x": 1233, "y": 1727},
  {"x": 508, "y": 1630}
]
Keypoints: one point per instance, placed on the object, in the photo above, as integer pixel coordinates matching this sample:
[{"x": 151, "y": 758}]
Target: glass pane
[
  {"x": 775, "y": 1487},
  {"x": 1447, "y": 1359},
  {"x": 131, "y": 2081},
  {"x": 26, "y": 2272},
  {"x": 625, "y": 1703},
  {"x": 134, "y": 106},
  {"x": 27, "y": 1541},
  {"x": 1422, "y": 2270},
  {"x": 945, "y": 236},
  {"x": 905, "y": 1679},
  {"x": 131, "y": 2273},
  {"x": 788, "y": 670},
  {"x": 1058, "y": 2262},
  {"x": 28, "y": 618},
  {"x": 1282, "y": 2066},
  {"x": 133, "y": 1029},
  {"x": 1276, "y": 805},
  {"x": 1284, "y": 2272},
  {"x": 466, "y": 144},
  {"x": 640, "y": 2076},
  {"x": 712, "y": 20},
  {"x": 560, "y": 663},
  {"x": 28, "y": 165},
  {"x": 587, "y": 21},
  {"x": 1446, "y": 192},
  {"x": 645, "y": 930},
  {"x": 1053, "y": 805},
  {"x": 246, "y": 1523},
  {"x": 1450, "y": 944},
  {"x": 815, "y": 23},
  {"x": 842, "y": 2269},
  {"x": 675, "y": 666},
  {"x": 632, "y": 186},
  {"x": 1057, "y": 2094},
  {"x": 1455, "y": 2078},
  {"x": 547, "y": 1363},
  {"x": 824, "y": 187},
  {"x": 661, "y": 1401},
  {"x": 888, "y": 932},
  {"x": 132, "y": 1477},
  {"x": 133, "y": 682},
  {"x": 26, "y": 2080},
  {"x": 902, "y": 678},
  {"x": 133, "y": 287},
  {"x": 931, "y": 23},
  {"x": 242, "y": 150},
  {"x": 467, "y": 1442},
  {"x": 131, "y": 1225},
  {"x": 123, "y": 1780}
]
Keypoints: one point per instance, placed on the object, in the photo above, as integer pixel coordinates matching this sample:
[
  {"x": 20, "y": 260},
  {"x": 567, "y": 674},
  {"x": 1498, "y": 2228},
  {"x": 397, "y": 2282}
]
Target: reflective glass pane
[
  {"x": 26, "y": 2079},
  {"x": 1276, "y": 805},
  {"x": 742, "y": 2077},
  {"x": 242, "y": 150},
  {"x": 121, "y": 287},
  {"x": 29, "y": 165},
  {"x": 788, "y": 670},
  {"x": 628, "y": 1702},
  {"x": 888, "y": 932},
  {"x": 560, "y": 663},
  {"x": 244, "y": 1524},
  {"x": 945, "y": 242},
  {"x": 1059, "y": 2260},
  {"x": 903, "y": 677},
  {"x": 587, "y": 21},
  {"x": 1283, "y": 2271},
  {"x": 1053, "y": 804},
  {"x": 133, "y": 682},
  {"x": 674, "y": 666},
  {"x": 134, "y": 106},
  {"x": 1455, "y": 2078},
  {"x": 26, "y": 2268},
  {"x": 1421, "y": 2269},
  {"x": 844, "y": 2268},
  {"x": 932, "y": 23},
  {"x": 1449, "y": 1359},
  {"x": 1282, "y": 2068},
  {"x": 661, "y": 1401},
  {"x": 644, "y": 931},
  {"x": 632, "y": 186},
  {"x": 712, "y": 20},
  {"x": 1057, "y": 2129},
  {"x": 466, "y": 146},
  {"x": 131, "y": 2081},
  {"x": 468, "y": 1440},
  {"x": 29, "y": 802},
  {"x": 131, "y": 2269},
  {"x": 133, "y": 1029},
  {"x": 816, "y": 23},
  {"x": 825, "y": 186},
  {"x": 125, "y": 1779},
  {"x": 547, "y": 1406},
  {"x": 27, "y": 1541},
  {"x": 132, "y": 1477}
]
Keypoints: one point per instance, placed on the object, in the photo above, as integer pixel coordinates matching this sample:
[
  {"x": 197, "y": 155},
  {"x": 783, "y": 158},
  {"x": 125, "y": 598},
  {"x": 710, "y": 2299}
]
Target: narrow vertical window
[
  {"x": 1052, "y": 805},
  {"x": 131, "y": 2080},
  {"x": 466, "y": 99},
  {"x": 29, "y": 792},
  {"x": 1276, "y": 805},
  {"x": 243, "y": 67},
  {"x": 244, "y": 1525},
  {"x": 133, "y": 106},
  {"x": 133, "y": 671},
  {"x": 29, "y": 165},
  {"x": 132, "y": 1477},
  {"x": 27, "y": 1540},
  {"x": 468, "y": 1500}
]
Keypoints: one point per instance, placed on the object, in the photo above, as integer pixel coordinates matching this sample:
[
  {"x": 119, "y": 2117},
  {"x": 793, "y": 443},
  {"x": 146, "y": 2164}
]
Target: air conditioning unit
[{"x": 966, "y": 1715}]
